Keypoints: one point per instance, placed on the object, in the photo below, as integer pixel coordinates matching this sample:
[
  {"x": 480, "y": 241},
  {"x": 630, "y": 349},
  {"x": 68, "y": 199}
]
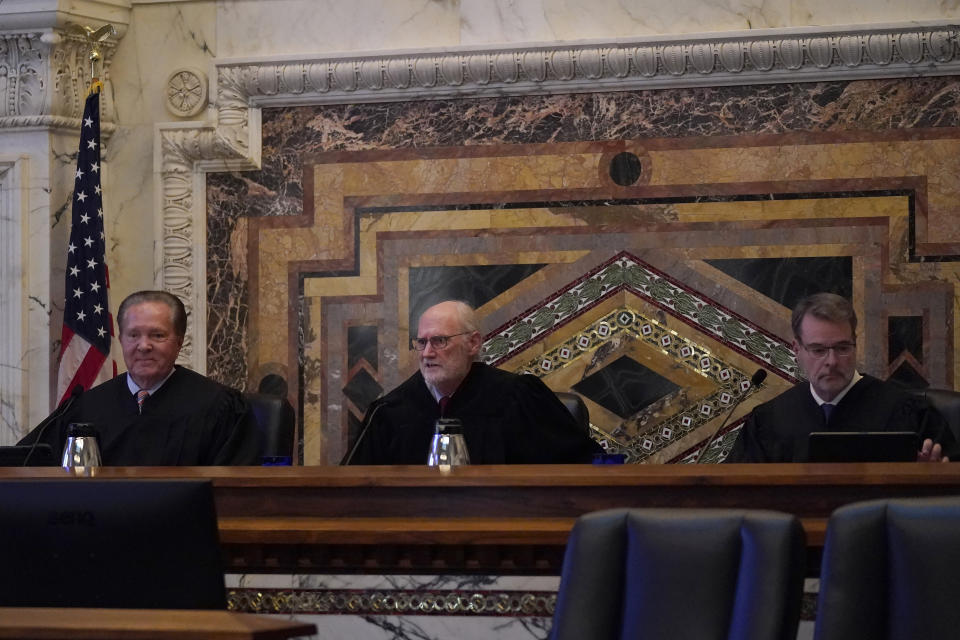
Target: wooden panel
[{"x": 498, "y": 519}]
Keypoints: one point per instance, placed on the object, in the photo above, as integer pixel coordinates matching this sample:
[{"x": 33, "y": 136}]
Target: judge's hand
[{"x": 930, "y": 452}]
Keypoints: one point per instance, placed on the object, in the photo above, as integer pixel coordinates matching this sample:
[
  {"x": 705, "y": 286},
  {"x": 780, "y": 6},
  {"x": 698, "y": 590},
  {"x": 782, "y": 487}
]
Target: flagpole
[{"x": 87, "y": 334}]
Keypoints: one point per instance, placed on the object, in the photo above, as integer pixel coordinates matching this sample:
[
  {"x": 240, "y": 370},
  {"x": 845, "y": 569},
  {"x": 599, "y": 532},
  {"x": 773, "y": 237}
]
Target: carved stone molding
[
  {"x": 771, "y": 56},
  {"x": 44, "y": 78},
  {"x": 735, "y": 58},
  {"x": 184, "y": 154}
]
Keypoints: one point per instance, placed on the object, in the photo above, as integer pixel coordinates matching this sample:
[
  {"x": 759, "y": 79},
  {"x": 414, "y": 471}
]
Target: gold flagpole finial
[{"x": 94, "y": 38}]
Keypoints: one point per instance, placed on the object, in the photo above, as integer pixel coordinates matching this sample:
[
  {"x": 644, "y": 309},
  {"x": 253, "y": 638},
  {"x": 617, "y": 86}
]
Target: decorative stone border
[{"x": 184, "y": 152}]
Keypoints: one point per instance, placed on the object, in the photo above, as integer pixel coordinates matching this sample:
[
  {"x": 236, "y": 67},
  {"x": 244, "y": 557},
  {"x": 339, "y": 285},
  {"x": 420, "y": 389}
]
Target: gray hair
[{"x": 177, "y": 310}]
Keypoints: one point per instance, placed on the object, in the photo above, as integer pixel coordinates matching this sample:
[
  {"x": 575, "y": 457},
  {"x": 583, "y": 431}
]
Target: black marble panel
[
  {"x": 787, "y": 280},
  {"x": 362, "y": 345},
  {"x": 907, "y": 376},
  {"x": 362, "y": 389},
  {"x": 474, "y": 284},
  {"x": 625, "y": 168},
  {"x": 625, "y": 387},
  {"x": 905, "y": 333}
]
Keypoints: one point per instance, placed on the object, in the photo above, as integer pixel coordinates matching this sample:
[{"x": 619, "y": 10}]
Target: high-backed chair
[
  {"x": 577, "y": 408},
  {"x": 697, "y": 574},
  {"x": 275, "y": 422},
  {"x": 947, "y": 402},
  {"x": 891, "y": 569}
]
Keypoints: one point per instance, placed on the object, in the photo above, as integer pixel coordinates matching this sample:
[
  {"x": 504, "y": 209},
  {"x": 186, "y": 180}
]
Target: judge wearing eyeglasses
[
  {"x": 835, "y": 396},
  {"x": 507, "y": 418}
]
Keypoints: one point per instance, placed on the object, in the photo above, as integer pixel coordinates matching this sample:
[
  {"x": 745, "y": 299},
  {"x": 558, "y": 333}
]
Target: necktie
[
  {"x": 141, "y": 396},
  {"x": 827, "y": 411},
  {"x": 444, "y": 401}
]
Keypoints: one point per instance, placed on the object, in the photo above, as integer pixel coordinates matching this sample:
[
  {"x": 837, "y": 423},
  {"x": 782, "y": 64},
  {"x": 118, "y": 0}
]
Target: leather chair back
[
  {"x": 891, "y": 569},
  {"x": 577, "y": 408},
  {"x": 947, "y": 402},
  {"x": 697, "y": 574},
  {"x": 275, "y": 422}
]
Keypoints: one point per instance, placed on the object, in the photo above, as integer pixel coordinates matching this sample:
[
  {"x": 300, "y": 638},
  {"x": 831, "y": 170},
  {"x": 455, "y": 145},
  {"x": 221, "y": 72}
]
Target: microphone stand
[
  {"x": 758, "y": 377},
  {"x": 53, "y": 417},
  {"x": 377, "y": 404}
]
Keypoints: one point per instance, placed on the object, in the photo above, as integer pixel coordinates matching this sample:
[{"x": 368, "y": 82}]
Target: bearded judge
[
  {"x": 159, "y": 413},
  {"x": 835, "y": 397},
  {"x": 507, "y": 418}
]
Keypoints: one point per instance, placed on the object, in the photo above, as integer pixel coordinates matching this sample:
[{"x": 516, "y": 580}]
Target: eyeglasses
[
  {"x": 841, "y": 350},
  {"x": 437, "y": 342}
]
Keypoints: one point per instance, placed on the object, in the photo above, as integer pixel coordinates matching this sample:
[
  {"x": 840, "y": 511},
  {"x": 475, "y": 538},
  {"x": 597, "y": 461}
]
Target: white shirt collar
[
  {"x": 820, "y": 401},
  {"x": 134, "y": 387}
]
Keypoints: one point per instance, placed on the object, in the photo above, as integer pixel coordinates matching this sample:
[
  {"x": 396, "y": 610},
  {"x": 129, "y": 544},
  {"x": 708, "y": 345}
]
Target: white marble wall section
[
  {"x": 282, "y": 27},
  {"x": 161, "y": 38},
  {"x": 35, "y": 210},
  {"x": 256, "y": 28}
]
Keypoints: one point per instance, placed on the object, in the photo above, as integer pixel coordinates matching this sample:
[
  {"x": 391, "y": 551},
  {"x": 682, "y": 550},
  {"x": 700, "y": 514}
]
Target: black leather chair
[
  {"x": 577, "y": 408},
  {"x": 891, "y": 569},
  {"x": 275, "y": 422},
  {"x": 947, "y": 402},
  {"x": 697, "y": 574}
]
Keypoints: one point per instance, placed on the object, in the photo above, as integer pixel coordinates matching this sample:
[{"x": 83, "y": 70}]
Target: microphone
[
  {"x": 53, "y": 417},
  {"x": 755, "y": 380},
  {"x": 371, "y": 411}
]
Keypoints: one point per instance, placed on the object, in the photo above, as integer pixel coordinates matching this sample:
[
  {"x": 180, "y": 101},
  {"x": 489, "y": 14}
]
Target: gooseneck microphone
[
  {"x": 53, "y": 417},
  {"x": 371, "y": 412},
  {"x": 755, "y": 380}
]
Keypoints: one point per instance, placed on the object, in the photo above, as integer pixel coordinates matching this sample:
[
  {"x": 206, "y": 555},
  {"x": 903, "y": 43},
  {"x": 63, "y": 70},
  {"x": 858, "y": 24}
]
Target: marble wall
[{"x": 574, "y": 224}]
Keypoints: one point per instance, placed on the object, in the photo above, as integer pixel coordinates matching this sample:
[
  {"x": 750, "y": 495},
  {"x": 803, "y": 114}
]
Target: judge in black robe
[
  {"x": 190, "y": 420},
  {"x": 778, "y": 430},
  {"x": 507, "y": 419}
]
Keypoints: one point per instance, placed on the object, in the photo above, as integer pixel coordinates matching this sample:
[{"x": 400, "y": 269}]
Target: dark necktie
[
  {"x": 827, "y": 411},
  {"x": 141, "y": 396},
  {"x": 444, "y": 401}
]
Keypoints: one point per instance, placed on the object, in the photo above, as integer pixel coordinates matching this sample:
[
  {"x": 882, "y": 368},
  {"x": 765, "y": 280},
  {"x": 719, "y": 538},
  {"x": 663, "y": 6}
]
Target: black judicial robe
[
  {"x": 778, "y": 430},
  {"x": 190, "y": 420},
  {"x": 507, "y": 419}
]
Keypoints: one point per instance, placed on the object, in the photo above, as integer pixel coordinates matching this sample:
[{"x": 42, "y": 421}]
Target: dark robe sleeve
[
  {"x": 545, "y": 431},
  {"x": 917, "y": 414},
  {"x": 234, "y": 439},
  {"x": 747, "y": 447}
]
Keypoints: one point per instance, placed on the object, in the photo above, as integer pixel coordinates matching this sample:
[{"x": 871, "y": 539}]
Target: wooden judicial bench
[
  {"x": 141, "y": 624},
  {"x": 496, "y": 519}
]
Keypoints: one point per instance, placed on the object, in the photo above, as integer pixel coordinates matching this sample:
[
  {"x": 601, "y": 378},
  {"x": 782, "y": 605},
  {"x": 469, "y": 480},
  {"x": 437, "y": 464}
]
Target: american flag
[{"x": 87, "y": 323}]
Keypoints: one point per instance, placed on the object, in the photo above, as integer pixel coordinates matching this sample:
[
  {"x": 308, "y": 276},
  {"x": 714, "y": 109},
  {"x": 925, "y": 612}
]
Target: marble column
[{"x": 44, "y": 76}]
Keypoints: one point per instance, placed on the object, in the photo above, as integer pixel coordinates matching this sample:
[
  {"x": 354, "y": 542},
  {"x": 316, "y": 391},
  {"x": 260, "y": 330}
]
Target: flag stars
[
  {"x": 81, "y": 196},
  {"x": 91, "y": 144},
  {"x": 91, "y": 263},
  {"x": 98, "y": 309},
  {"x": 77, "y": 293},
  {"x": 79, "y": 174},
  {"x": 71, "y": 248},
  {"x": 95, "y": 287},
  {"x": 96, "y": 189},
  {"x": 88, "y": 241},
  {"x": 74, "y": 271},
  {"x": 101, "y": 332},
  {"x": 100, "y": 212},
  {"x": 81, "y": 315},
  {"x": 88, "y": 121},
  {"x": 84, "y": 218},
  {"x": 95, "y": 167}
]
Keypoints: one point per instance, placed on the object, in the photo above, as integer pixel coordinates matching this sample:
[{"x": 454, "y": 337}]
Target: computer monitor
[
  {"x": 84, "y": 542},
  {"x": 27, "y": 456},
  {"x": 863, "y": 446}
]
